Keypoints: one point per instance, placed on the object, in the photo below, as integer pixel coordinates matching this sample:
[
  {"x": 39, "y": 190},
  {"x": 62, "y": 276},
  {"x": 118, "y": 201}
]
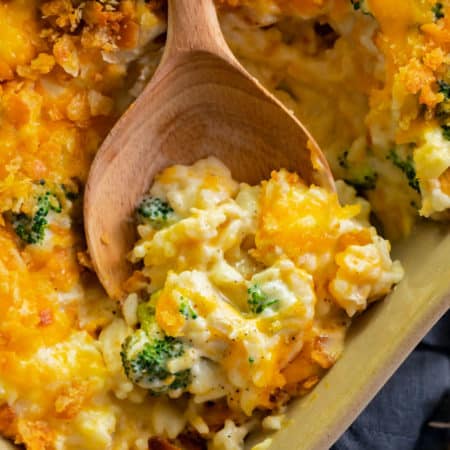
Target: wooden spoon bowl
[{"x": 199, "y": 103}]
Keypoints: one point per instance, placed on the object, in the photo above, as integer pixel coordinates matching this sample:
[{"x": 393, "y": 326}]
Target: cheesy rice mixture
[{"x": 242, "y": 294}]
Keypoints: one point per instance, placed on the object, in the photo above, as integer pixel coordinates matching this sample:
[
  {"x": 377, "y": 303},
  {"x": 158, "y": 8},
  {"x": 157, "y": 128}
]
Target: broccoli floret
[
  {"x": 444, "y": 88},
  {"x": 145, "y": 361},
  {"x": 362, "y": 178},
  {"x": 437, "y": 10},
  {"x": 155, "y": 211},
  {"x": 187, "y": 310},
  {"x": 443, "y": 111},
  {"x": 407, "y": 167},
  {"x": 258, "y": 301},
  {"x": 147, "y": 352},
  {"x": 443, "y": 108},
  {"x": 343, "y": 159},
  {"x": 31, "y": 229},
  {"x": 446, "y": 132},
  {"x": 360, "y": 5},
  {"x": 182, "y": 380}
]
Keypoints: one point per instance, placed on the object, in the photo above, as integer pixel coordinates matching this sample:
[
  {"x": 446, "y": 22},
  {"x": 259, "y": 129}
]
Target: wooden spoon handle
[{"x": 193, "y": 25}]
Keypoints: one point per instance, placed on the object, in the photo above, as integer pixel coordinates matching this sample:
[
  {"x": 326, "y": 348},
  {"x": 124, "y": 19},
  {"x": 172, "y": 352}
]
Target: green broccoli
[
  {"x": 446, "y": 132},
  {"x": 360, "y": 5},
  {"x": 437, "y": 10},
  {"x": 31, "y": 229},
  {"x": 146, "y": 315},
  {"x": 343, "y": 160},
  {"x": 362, "y": 178},
  {"x": 145, "y": 361},
  {"x": 258, "y": 301},
  {"x": 443, "y": 108},
  {"x": 155, "y": 211},
  {"x": 407, "y": 167},
  {"x": 444, "y": 88},
  {"x": 187, "y": 310},
  {"x": 443, "y": 111},
  {"x": 147, "y": 352}
]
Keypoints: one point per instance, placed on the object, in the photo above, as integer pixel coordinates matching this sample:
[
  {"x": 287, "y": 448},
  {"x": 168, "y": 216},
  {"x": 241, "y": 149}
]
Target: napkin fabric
[{"x": 397, "y": 418}]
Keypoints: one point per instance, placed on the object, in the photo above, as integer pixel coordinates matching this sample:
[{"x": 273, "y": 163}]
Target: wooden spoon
[{"x": 200, "y": 102}]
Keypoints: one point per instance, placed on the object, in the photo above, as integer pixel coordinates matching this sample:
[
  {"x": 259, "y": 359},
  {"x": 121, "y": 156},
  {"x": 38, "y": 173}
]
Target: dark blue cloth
[{"x": 397, "y": 417}]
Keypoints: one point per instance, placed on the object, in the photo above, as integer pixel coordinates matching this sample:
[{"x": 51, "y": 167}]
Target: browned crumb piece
[
  {"x": 62, "y": 14},
  {"x": 215, "y": 414},
  {"x": 444, "y": 180},
  {"x": 137, "y": 282},
  {"x": 191, "y": 441},
  {"x": 101, "y": 24},
  {"x": 84, "y": 259},
  {"x": 45, "y": 317},
  {"x": 157, "y": 443},
  {"x": 8, "y": 424},
  {"x": 71, "y": 399},
  {"x": 120, "y": 24},
  {"x": 35, "y": 435}
]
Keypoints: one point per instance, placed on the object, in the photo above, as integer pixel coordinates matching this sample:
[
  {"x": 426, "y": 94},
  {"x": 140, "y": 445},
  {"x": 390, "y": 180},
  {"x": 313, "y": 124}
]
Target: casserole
[{"x": 368, "y": 78}]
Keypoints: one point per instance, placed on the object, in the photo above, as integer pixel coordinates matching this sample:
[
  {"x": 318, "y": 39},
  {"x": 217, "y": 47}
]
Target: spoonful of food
[{"x": 200, "y": 102}]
